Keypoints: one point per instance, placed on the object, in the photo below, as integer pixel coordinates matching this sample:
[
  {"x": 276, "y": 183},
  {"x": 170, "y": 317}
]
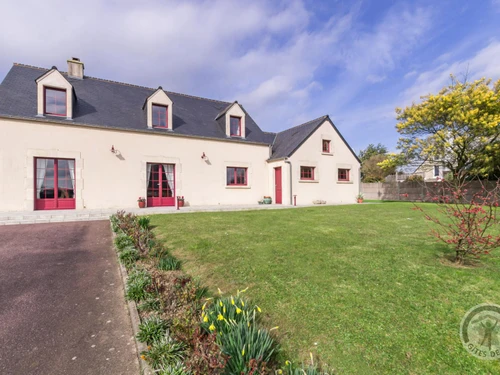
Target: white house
[{"x": 71, "y": 141}]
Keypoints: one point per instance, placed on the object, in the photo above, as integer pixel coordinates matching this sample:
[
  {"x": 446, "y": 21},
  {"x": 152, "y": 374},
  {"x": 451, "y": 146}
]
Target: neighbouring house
[
  {"x": 431, "y": 171},
  {"x": 70, "y": 141}
]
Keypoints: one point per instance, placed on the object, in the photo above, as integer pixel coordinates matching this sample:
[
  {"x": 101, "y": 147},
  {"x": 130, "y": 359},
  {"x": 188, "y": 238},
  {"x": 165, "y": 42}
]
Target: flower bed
[{"x": 186, "y": 332}]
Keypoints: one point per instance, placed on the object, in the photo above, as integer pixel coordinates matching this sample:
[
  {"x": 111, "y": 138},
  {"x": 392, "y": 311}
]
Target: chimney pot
[{"x": 75, "y": 68}]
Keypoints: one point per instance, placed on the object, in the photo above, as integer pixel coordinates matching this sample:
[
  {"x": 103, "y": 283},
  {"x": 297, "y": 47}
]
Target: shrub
[
  {"x": 152, "y": 303},
  {"x": 468, "y": 221},
  {"x": 115, "y": 223},
  {"x": 122, "y": 241},
  {"x": 152, "y": 329},
  {"x": 169, "y": 263},
  {"x": 415, "y": 178},
  {"x": 165, "y": 352},
  {"x": 245, "y": 342},
  {"x": 128, "y": 256},
  {"x": 137, "y": 284},
  {"x": 175, "y": 369},
  {"x": 144, "y": 222},
  {"x": 217, "y": 314},
  {"x": 206, "y": 358}
]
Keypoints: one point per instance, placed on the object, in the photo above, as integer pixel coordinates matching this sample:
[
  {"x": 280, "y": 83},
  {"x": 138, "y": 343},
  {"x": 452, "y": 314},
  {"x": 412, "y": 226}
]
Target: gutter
[{"x": 291, "y": 189}]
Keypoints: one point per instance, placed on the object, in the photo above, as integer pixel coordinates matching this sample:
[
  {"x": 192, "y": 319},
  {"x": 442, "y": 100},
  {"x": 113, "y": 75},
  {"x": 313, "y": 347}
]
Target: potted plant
[
  {"x": 268, "y": 199},
  {"x": 142, "y": 202},
  {"x": 180, "y": 201},
  {"x": 360, "y": 198}
]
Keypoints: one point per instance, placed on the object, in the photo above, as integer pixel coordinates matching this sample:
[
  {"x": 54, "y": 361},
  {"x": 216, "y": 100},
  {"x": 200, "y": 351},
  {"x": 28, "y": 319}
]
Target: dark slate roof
[
  {"x": 289, "y": 140},
  {"x": 119, "y": 105}
]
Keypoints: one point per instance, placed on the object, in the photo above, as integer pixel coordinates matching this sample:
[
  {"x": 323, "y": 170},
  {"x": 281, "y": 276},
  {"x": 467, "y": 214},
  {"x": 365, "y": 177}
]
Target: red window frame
[
  {"x": 153, "y": 118},
  {"x": 45, "y": 112},
  {"x": 306, "y": 173},
  {"x": 239, "y": 126},
  {"x": 344, "y": 174},
  {"x": 326, "y": 143},
  {"x": 236, "y": 179}
]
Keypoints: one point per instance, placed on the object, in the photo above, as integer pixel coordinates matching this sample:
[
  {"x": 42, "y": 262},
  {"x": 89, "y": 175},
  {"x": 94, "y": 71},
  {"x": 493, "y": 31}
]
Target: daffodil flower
[
  {"x": 212, "y": 327},
  {"x": 238, "y": 310},
  {"x": 220, "y": 317},
  {"x": 205, "y": 319},
  {"x": 232, "y": 301}
]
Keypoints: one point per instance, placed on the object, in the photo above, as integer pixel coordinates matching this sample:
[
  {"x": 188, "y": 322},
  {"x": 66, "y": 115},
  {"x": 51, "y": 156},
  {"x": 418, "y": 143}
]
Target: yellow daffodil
[
  {"x": 288, "y": 363},
  {"x": 232, "y": 301},
  {"x": 243, "y": 351},
  {"x": 212, "y": 327},
  {"x": 272, "y": 329},
  {"x": 258, "y": 309},
  {"x": 205, "y": 319},
  {"x": 221, "y": 304},
  {"x": 242, "y": 303},
  {"x": 224, "y": 309},
  {"x": 220, "y": 317},
  {"x": 238, "y": 310}
]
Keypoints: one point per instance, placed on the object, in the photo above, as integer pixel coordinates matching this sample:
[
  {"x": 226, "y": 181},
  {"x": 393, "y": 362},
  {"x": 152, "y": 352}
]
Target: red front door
[
  {"x": 54, "y": 184},
  {"x": 277, "y": 185},
  {"x": 161, "y": 185}
]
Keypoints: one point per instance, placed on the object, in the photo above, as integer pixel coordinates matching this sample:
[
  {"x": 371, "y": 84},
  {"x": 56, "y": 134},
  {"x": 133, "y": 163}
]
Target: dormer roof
[{"x": 119, "y": 106}]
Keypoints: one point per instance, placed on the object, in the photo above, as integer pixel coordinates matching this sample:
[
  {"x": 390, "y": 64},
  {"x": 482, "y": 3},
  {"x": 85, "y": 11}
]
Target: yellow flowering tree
[{"x": 459, "y": 128}]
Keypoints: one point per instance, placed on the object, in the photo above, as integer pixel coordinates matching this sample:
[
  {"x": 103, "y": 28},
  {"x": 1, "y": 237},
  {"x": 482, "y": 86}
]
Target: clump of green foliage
[{"x": 152, "y": 329}]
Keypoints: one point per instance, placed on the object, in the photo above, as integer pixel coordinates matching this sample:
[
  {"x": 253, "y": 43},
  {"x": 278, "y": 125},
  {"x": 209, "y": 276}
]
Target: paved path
[{"x": 62, "y": 308}]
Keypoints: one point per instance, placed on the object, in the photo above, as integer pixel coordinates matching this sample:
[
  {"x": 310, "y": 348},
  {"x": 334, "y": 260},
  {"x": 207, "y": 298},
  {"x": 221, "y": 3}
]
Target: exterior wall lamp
[
  {"x": 204, "y": 157},
  {"x": 113, "y": 150}
]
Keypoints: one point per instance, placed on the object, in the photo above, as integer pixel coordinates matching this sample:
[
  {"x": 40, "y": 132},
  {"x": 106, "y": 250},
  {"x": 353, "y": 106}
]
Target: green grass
[{"x": 363, "y": 287}]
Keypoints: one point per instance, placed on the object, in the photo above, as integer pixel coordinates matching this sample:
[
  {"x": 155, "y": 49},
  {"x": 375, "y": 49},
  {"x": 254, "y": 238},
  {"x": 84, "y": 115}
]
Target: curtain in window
[
  {"x": 41, "y": 165},
  {"x": 148, "y": 174},
  {"x": 169, "y": 171},
  {"x": 71, "y": 167}
]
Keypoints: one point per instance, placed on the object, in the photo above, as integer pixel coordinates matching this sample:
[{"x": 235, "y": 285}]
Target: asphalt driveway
[{"x": 62, "y": 308}]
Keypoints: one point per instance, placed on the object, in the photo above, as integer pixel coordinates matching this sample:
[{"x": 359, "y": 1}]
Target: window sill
[
  {"x": 345, "y": 182},
  {"x": 309, "y": 181},
  {"x": 327, "y": 153},
  {"x": 237, "y": 187},
  {"x": 161, "y": 128}
]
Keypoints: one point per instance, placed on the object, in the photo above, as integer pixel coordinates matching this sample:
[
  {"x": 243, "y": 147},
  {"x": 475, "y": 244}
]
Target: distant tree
[
  {"x": 372, "y": 172},
  {"x": 372, "y": 150},
  {"x": 370, "y": 157},
  {"x": 459, "y": 128}
]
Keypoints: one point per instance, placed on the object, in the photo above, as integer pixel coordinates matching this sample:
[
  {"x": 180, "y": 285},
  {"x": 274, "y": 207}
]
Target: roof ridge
[
  {"x": 127, "y": 84},
  {"x": 305, "y": 123}
]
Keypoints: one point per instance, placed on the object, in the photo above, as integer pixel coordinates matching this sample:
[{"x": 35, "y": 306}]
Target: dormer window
[
  {"x": 55, "y": 102},
  {"x": 160, "y": 116},
  {"x": 235, "y": 126}
]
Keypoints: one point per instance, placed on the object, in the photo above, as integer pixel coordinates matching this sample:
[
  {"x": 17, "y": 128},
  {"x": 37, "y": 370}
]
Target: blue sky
[{"x": 286, "y": 62}]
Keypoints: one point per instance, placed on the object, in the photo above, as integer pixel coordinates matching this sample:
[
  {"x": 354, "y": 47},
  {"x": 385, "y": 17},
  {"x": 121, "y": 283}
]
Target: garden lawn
[{"x": 362, "y": 287}]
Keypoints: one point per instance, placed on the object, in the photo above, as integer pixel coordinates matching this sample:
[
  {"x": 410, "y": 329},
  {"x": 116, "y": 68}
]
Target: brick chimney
[{"x": 75, "y": 68}]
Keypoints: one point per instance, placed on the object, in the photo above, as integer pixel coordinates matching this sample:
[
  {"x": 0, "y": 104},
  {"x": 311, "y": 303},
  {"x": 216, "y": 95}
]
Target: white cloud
[
  {"x": 410, "y": 74},
  {"x": 264, "y": 54},
  {"x": 374, "y": 78},
  {"x": 484, "y": 63}
]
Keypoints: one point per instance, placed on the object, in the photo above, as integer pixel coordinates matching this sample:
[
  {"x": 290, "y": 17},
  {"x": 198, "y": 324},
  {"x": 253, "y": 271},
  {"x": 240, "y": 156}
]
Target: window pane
[
  {"x": 55, "y": 102},
  {"x": 159, "y": 116},
  {"x": 235, "y": 126},
  {"x": 230, "y": 176}
]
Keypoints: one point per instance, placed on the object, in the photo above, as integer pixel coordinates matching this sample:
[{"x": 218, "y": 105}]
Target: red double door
[
  {"x": 161, "y": 185},
  {"x": 55, "y": 187}
]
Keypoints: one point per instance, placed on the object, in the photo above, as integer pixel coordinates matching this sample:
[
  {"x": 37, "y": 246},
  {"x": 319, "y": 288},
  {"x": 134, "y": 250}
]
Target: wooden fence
[{"x": 415, "y": 191}]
